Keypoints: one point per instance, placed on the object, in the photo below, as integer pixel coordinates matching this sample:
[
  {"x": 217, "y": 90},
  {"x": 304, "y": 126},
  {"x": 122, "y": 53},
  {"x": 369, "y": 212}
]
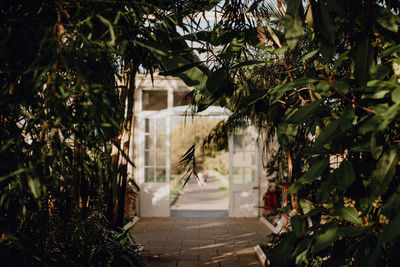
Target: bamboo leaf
[
  {"x": 273, "y": 35},
  {"x": 385, "y": 18},
  {"x": 181, "y": 69},
  {"x": 34, "y": 185},
  {"x": 110, "y": 28},
  {"x": 309, "y": 56},
  {"x": 304, "y": 112}
]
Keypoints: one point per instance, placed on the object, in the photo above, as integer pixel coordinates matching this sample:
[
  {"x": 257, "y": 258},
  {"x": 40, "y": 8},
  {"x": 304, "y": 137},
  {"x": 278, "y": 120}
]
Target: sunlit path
[
  {"x": 200, "y": 201},
  {"x": 200, "y": 241}
]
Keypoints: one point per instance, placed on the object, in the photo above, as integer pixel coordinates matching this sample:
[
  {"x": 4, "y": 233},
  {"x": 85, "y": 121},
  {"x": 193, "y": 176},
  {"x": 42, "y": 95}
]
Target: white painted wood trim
[
  {"x": 260, "y": 254},
  {"x": 131, "y": 223},
  {"x": 275, "y": 229}
]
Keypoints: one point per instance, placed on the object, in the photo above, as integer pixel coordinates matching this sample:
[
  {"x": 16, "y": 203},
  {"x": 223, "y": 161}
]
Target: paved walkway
[
  {"x": 176, "y": 242},
  {"x": 205, "y": 197}
]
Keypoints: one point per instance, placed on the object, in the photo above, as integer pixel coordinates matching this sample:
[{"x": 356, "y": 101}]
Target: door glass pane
[
  {"x": 237, "y": 176},
  {"x": 161, "y": 142},
  {"x": 149, "y": 158},
  {"x": 238, "y": 159},
  {"x": 237, "y": 142},
  {"x": 248, "y": 175},
  {"x": 161, "y": 158},
  {"x": 161, "y": 175},
  {"x": 161, "y": 126},
  {"x": 148, "y": 142},
  {"x": 249, "y": 142},
  {"x": 154, "y": 99},
  {"x": 182, "y": 98},
  {"x": 247, "y": 159},
  {"x": 148, "y": 175},
  {"x": 149, "y": 126}
]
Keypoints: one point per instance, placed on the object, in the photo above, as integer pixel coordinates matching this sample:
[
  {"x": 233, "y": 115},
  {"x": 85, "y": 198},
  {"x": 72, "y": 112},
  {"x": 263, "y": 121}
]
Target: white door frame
[
  {"x": 155, "y": 197},
  {"x": 244, "y": 197}
]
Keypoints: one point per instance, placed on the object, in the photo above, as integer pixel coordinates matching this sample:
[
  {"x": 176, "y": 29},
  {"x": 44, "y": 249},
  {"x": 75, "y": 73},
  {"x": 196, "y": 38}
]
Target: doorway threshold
[{"x": 199, "y": 213}]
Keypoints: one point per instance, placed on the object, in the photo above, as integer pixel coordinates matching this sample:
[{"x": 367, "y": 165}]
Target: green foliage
[
  {"x": 67, "y": 75},
  {"x": 328, "y": 86}
]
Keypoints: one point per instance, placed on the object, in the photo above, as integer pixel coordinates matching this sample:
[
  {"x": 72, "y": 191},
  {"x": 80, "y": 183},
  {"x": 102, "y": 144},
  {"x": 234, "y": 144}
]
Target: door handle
[{"x": 255, "y": 187}]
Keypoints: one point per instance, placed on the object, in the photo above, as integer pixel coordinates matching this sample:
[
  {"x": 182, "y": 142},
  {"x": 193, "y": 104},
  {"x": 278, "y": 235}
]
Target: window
[
  {"x": 154, "y": 99},
  {"x": 182, "y": 98},
  {"x": 155, "y": 150},
  {"x": 243, "y": 158}
]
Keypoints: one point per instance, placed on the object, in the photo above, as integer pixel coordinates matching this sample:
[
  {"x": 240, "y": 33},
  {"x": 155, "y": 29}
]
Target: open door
[
  {"x": 155, "y": 186},
  {"x": 243, "y": 174}
]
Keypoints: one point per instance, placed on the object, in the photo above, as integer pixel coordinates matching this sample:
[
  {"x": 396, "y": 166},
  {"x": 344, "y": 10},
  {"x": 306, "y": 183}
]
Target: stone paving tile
[{"x": 199, "y": 241}]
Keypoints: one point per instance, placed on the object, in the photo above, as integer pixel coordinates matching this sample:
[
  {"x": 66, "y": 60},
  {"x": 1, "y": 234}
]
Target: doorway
[
  {"x": 206, "y": 193},
  {"x": 160, "y": 111}
]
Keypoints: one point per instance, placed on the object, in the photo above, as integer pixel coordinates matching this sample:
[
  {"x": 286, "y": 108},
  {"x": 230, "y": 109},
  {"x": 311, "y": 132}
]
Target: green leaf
[
  {"x": 390, "y": 51},
  {"x": 347, "y": 213},
  {"x": 351, "y": 231},
  {"x": 315, "y": 171},
  {"x": 306, "y": 206},
  {"x": 326, "y": 239},
  {"x": 311, "y": 175},
  {"x": 376, "y": 151},
  {"x": 304, "y": 112},
  {"x": 293, "y": 23},
  {"x": 385, "y": 18},
  {"x": 283, "y": 249},
  {"x": 110, "y": 28},
  {"x": 246, "y": 63},
  {"x": 294, "y": 187},
  {"x": 180, "y": 69},
  {"x": 391, "y": 231},
  {"x": 286, "y": 132},
  {"x": 10, "y": 175},
  {"x": 153, "y": 47},
  {"x": 216, "y": 80},
  {"x": 34, "y": 185},
  {"x": 363, "y": 61},
  {"x": 340, "y": 59},
  {"x": 328, "y": 29},
  {"x": 302, "y": 257},
  {"x": 325, "y": 189},
  {"x": 297, "y": 223},
  {"x": 388, "y": 116},
  {"x": 328, "y": 133},
  {"x": 379, "y": 72},
  {"x": 384, "y": 171},
  {"x": 310, "y": 55},
  {"x": 381, "y": 84},
  {"x": 280, "y": 90},
  {"x": 342, "y": 86},
  {"x": 302, "y": 247},
  {"x": 345, "y": 175},
  {"x": 396, "y": 95},
  {"x": 370, "y": 125},
  {"x": 273, "y": 35}
]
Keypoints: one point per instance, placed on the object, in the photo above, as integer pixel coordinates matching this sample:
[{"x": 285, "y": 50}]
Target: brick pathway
[{"x": 189, "y": 242}]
